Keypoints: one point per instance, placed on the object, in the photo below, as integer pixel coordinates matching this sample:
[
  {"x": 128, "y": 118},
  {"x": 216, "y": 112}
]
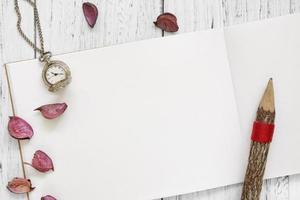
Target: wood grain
[{"x": 121, "y": 21}]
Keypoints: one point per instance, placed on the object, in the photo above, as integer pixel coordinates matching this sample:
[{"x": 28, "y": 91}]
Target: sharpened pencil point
[{"x": 267, "y": 102}]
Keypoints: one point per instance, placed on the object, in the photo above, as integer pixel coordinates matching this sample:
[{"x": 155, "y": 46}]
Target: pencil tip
[{"x": 267, "y": 102}]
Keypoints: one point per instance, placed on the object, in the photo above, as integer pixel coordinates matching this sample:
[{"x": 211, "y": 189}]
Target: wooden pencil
[{"x": 262, "y": 134}]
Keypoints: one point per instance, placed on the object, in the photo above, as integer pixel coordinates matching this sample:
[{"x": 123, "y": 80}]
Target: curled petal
[
  {"x": 20, "y": 186},
  {"x": 51, "y": 111},
  {"x": 48, "y": 197},
  {"x": 167, "y": 22},
  {"x": 90, "y": 12},
  {"x": 19, "y": 129},
  {"x": 42, "y": 162}
]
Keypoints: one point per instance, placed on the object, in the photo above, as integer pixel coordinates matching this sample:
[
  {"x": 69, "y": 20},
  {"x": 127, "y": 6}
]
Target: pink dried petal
[
  {"x": 51, "y": 111},
  {"x": 90, "y": 12},
  {"x": 48, "y": 197},
  {"x": 20, "y": 186},
  {"x": 19, "y": 129},
  {"x": 42, "y": 162},
  {"x": 167, "y": 22}
]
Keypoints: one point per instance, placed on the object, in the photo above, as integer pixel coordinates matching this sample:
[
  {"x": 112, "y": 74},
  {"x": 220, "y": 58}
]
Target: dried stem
[{"x": 14, "y": 114}]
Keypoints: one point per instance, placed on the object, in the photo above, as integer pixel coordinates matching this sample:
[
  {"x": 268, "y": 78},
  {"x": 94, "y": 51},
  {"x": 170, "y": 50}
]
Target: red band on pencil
[{"x": 262, "y": 132}]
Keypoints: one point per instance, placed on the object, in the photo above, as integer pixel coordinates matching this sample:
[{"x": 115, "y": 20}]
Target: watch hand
[{"x": 55, "y": 74}]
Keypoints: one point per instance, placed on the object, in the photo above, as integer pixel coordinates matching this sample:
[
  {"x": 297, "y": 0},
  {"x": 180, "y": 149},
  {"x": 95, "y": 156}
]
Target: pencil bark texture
[
  {"x": 255, "y": 171},
  {"x": 259, "y": 151}
]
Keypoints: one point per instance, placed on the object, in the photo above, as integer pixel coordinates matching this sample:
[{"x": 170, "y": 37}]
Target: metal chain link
[{"x": 38, "y": 24}]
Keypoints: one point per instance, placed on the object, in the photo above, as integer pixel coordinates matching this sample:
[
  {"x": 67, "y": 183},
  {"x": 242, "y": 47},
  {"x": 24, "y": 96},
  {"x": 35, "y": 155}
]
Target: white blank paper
[
  {"x": 258, "y": 51},
  {"x": 145, "y": 120}
]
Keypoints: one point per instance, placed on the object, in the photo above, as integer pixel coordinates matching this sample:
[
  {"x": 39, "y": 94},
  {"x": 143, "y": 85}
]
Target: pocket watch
[{"x": 56, "y": 74}]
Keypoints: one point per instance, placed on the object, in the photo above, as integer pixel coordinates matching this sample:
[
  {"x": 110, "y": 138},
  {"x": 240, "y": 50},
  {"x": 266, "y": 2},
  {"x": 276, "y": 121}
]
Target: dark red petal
[
  {"x": 42, "y": 162},
  {"x": 167, "y": 22},
  {"x": 18, "y": 128},
  {"x": 48, "y": 197},
  {"x": 51, "y": 111},
  {"x": 20, "y": 186},
  {"x": 90, "y": 12}
]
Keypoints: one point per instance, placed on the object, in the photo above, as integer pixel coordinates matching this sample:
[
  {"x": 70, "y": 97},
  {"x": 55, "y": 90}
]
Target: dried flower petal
[
  {"x": 167, "y": 22},
  {"x": 48, "y": 197},
  {"x": 51, "y": 111},
  {"x": 90, "y": 12},
  {"x": 19, "y": 129},
  {"x": 20, "y": 186},
  {"x": 42, "y": 162}
]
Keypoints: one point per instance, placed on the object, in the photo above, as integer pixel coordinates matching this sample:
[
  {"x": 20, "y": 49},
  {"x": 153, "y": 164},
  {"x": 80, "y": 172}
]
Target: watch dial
[{"x": 55, "y": 74}]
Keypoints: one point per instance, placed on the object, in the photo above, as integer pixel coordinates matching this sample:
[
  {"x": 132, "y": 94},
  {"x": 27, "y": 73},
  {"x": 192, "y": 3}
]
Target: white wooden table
[{"x": 120, "y": 21}]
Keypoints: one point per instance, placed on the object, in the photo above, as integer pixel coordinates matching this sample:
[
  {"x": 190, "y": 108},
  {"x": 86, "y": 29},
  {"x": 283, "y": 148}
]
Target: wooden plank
[
  {"x": 294, "y": 185},
  {"x": 66, "y": 30},
  {"x": 277, "y": 189},
  {"x": 12, "y": 48},
  {"x": 234, "y": 12},
  {"x": 195, "y": 15}
]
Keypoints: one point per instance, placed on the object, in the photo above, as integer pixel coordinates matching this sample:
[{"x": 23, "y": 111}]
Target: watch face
[{"x": 55, "y": 74}]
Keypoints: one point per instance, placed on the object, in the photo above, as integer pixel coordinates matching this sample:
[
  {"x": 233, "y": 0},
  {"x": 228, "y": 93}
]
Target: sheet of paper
[
  {"x": 258, "y": 51},
  {"x": 145, "y": 120}
]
